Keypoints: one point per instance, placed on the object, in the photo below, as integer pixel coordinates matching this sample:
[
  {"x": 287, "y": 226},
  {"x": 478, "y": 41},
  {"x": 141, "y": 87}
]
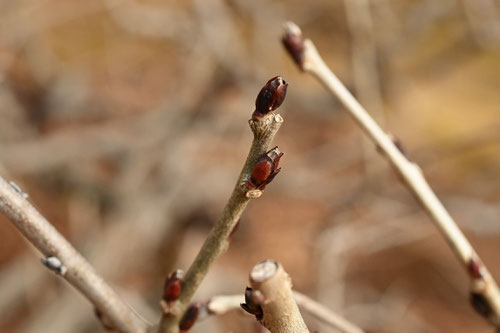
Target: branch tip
[
  {"x": 294, "y": 43},
  {"x": 264, "y": 271},
  {"x": 270, "y": 97}
]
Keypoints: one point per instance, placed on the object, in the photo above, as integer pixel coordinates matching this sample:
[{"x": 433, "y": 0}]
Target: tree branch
[
  {"x": 264, "y": 128},
  {"x": 485, "y": 296},
  {"x": 63, "y": 258},
  {"x": 277, "y": 309}
]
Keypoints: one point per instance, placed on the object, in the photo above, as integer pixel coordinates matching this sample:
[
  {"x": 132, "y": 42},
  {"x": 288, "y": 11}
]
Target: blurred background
[{"x": 126, "y": 123}]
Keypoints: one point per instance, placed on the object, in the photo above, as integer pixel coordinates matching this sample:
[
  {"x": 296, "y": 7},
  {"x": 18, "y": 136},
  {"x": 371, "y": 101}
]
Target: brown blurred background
[{"x": 126, "y": 122}]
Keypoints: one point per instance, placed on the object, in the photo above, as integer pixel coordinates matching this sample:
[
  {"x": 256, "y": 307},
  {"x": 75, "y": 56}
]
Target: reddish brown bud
[
  {"x": 474, "y": 268},
  {"x": 294, "y": 43},
  {"x": 189, "y": 317},
  {"x": 480, "y": 304},
  {"x": 270, "y": 97},
  {"x": 253, "y": 301},
  {"x": 172, "y": 287},
  {"x": 265, "y": 169}
]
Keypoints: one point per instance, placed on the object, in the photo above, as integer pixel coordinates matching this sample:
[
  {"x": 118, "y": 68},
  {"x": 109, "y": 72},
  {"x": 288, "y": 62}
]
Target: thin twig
[
  {"x": 63, "y": 258},
  {"x": 264, "y": 130},
  {"x": 485, "y": 296}
]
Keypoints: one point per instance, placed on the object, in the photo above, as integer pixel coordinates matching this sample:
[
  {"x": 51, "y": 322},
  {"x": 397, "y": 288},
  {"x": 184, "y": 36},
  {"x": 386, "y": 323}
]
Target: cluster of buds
[
  {"x": 265, "y": 169},
  {"x": 270, "y": 97},
  {"x": 253, "y": 303}
]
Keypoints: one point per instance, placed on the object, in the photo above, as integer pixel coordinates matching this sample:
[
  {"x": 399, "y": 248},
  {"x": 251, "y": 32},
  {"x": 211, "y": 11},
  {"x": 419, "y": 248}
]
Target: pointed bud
[
  {"x": 265, "y": 169},
  {"x": 189, "y": 317},
  {"x": 172, "y": 287},
  {"x": 294, "y": 43},
  {"x": 270, "y": 97}
]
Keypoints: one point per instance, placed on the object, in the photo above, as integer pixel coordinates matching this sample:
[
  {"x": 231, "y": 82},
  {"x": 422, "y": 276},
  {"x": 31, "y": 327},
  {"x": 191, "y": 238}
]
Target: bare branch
[
  {"x": 271, "y": 294},
  {"x": 264, "y": 127},
  {"x": 485, "y": 296},
  {"x": 63, "y": 259}
]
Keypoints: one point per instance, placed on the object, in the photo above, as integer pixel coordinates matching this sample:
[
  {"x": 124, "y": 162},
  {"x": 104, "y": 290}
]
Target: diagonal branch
[
  {"x": 485, "y": 296},
  {"x": 63, "y": 258},
  {"x": 264, "y": 127}
]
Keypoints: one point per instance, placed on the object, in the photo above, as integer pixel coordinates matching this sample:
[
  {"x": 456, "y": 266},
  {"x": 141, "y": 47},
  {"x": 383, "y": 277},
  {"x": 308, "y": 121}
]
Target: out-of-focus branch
[
  {"x": 62, "y": 258},
  {"x": 365, "y": 72},
  {"x": 322, "y": 313},
  {"x": 484, "y": 21},
  {"x": 264, "y": 125},
  {"x": 485, "y": 296},
  {"x": 219, "y": 305},
  {"x": 271, "y": 299}
]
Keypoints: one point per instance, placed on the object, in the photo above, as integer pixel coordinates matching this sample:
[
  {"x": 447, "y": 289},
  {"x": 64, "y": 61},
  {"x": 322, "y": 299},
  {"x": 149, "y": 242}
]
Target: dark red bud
[
  {"x": 480, "y": 304},
  {"x": 189, "y": 317},
  {"x": 265, "y": 169},
  {"x": 172, "y": 287},
  {"x": 270, "y": 97},
  {"x": 294, "y": 43},
  {"x": 474, "y": 268},
  {"x": 253, "y": 301}
]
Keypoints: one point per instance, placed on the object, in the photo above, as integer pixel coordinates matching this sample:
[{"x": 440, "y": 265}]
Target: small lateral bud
[
  {"x": 270, "y": 97},
  {"x": 294, "y": 43},
  {"x": 172, "y": 287},
  {"x": 189, "y": 317},
  {"x": 105, "y": 322},
  {"x": 265, "y": 169},
  {"x": 54, "y": 264},
  {"x": 399, "y": 145},
  {"x": 474, "y": 268},
  {"x": 480, "y": 304},
  {"x": 253, "y": 301}
]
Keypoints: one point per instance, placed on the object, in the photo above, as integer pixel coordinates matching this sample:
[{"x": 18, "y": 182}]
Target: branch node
[
  {"x": 18, "y": 189},
  {"x": 55, "y": 265},
  {"x": 253, "y": 194}
]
